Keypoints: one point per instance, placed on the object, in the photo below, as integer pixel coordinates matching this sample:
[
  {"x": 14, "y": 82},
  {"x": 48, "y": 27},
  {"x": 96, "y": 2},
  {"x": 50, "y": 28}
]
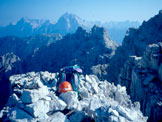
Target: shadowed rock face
[
  {"x": 33, "y": 98},
  {"x": 137, "y": 65},
  {"x": 91, "y": 50},
  {"x": 142, "y": 77},
  {"x": 135, "y": 43},
  {"x": 24, "y": 47},
  {"x": 9, "y": 64}
]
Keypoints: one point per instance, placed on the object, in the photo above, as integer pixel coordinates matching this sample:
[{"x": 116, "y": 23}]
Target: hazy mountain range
[{"x": 67, "y": 23}]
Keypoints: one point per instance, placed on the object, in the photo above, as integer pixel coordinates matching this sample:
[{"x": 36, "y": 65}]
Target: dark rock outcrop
[
  {"x": 95, "y": 48},
  {"x": 142, "y": 77},
  {"x": 9, "y": 64},
  {"x": 134, "y": 43},
  {"x": 13, "y": 52},
  {"x": 24, "y": 47}
]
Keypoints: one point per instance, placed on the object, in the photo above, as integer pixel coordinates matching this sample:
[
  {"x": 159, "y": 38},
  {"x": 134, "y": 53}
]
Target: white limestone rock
[
  {"x": 39, "y": 108},
  {"x": 123, "y": 112},
  {"x": 48, "y": 78},
  {"x": 96, "y": 99},
  {"x": 30, "y": 96},
  {"x": 71, "y": 99},
  {"x": 57, "y": 104},
  {"x": 57, "y": 117}
]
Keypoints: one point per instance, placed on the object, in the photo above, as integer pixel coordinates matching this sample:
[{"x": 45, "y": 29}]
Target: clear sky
[{"x": 91, "y": 10}]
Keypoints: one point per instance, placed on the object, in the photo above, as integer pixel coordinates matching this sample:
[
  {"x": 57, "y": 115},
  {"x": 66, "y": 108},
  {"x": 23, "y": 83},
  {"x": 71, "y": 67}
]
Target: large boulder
[
  {"x": 30, "y": 96},
  {"x": 71, "y": 99}
]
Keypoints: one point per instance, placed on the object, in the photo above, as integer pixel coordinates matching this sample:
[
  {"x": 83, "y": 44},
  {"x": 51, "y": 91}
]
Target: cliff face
[
  {"x": 24, "y": 47},
  {"x": 9, "y": 64},
  {"x": 143, "y": 78},
  {"x": 137, "y": 65},
  {"x": 134, "y": 43}
]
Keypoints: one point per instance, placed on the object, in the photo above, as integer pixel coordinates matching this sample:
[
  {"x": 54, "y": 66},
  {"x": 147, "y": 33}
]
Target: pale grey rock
[
  {"x": 114, "y": 112},
  {"x": 95, "y": 103},
  {"x": 84, "y": 93},
  {"x": 29, "y": 96},
  {"x": 124, "y": 113},
  {"x": 71, "y": 99},
  {"x": 34, "y": 83},
  {"x": 113, "y": 119},
  {"x": 39, "y": 108},
  {"x": 42, "y": 104},
  {"x": 57, "y": 104},
  {"x": 137, "y": 105},
  {"x": 48, "y": 78}
]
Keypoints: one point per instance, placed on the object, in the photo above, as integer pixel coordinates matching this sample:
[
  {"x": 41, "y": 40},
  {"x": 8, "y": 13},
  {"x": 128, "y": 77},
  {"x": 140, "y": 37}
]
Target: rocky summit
[{"x": 33, "y": 98}]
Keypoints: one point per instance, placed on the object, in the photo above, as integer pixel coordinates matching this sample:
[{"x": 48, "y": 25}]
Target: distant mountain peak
[
  {"x": 69, "y": 15},
  {"x": 33, "y": 22},
  {"x": 23, "y": 20}
]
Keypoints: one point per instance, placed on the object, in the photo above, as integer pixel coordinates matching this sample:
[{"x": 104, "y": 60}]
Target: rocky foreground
[{"x": 33, "y": 98}]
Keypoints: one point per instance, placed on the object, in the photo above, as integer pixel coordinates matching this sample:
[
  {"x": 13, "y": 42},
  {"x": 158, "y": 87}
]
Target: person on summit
[{"x": 69, "y": 79}]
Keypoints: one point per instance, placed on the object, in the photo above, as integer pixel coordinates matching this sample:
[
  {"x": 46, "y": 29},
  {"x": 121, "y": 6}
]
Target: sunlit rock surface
[{"x": 34, "y": 98}]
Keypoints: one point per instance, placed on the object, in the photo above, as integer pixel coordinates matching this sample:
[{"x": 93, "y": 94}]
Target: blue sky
[{"x": 91, "y": 10}]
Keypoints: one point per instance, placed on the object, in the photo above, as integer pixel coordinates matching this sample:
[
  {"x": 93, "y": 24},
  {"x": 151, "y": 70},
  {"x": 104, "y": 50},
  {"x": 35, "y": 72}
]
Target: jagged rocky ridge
[
  {"x": 143, "y": 78},
  {"x": 52, "y": 52},
  {"x": 24, "y": 47},
  {"x": 33, "y": 99},
  {"x": 9, "y": 64},
  {"x": 94, "y": 47},
  {"x": 137, "y": 65},
  {"x": 135, "y": 43},
  {"x": 67, "y": 23}
]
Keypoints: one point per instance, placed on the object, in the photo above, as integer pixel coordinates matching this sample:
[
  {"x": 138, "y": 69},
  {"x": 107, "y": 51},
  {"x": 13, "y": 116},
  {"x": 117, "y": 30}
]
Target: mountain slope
[
  {"x": 93, "y": 47},
  {"x": 26, "y": 46},
  {"x": 67, "y": 23},
  {"x": 137, "y": 65},
  {"x": 134, "y": 43}
]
